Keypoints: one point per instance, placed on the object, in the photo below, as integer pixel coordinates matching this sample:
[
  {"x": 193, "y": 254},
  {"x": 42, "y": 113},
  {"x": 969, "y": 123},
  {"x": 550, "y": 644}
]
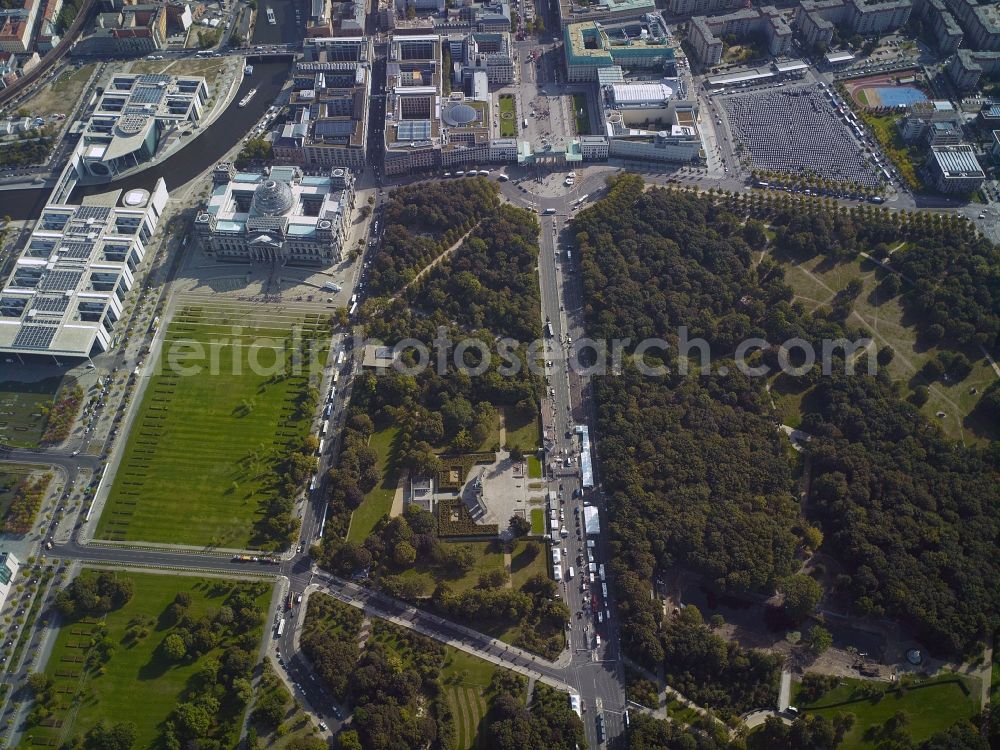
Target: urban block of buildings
[
  {"x": 647, "y": 122},
  {"x": 132, "y": 120},
  {"x": 815, "y": 19},
  {"x": 980, "y": 21},
  {"x": 571, "y": 12},
  {"x": 327, "y": 18},
  {"x": 968, "y": 66},
  {"x": 413, "y": 130},
  {"x": 329, "y": 105},
  {"x": 281, "y": 215},
  {"x": 132, "y": 30},
  {"x": 638, "y": 44},
  {"x": 490, "y": 52},
  {"x": 702, "y": 7},
  {"x": 17, "y": 26},
  {"x": 932, "y": 124},
  {"x": 421, "y": 17},
  {"x": 70, "y": 281},
  {"x": 765, "y": 23},
  {"x": 954, "y": 169},
  {"x": 943, "y": 26}
]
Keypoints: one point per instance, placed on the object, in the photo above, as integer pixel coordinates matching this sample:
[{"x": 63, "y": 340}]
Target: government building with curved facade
[{"x": 280, "y": 215}]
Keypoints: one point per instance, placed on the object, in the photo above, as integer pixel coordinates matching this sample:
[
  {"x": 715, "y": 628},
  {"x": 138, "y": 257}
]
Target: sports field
[
  {"x": 22, "y": 411},
  {"x": 204, "y": 456},
  {"x": 137, "y": 683}
]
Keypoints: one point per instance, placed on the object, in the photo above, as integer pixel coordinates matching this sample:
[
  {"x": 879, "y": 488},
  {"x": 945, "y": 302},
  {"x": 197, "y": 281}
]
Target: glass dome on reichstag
[{"x": 272, "y": 198}]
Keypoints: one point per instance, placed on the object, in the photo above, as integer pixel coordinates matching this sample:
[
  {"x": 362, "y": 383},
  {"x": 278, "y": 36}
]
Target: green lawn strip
[
  {"x": 378, "y": 501},
  {"x": 467, "y": 679},
  {"x": 930, "y": 706},
  {"x": 137, "y": 683},
  {"x": 537, "y": 521},
  {"x": 207, "y": 444},
  {"x": 22, "y": 405},
  {"x": 508, "y": 116},
  {"x": 580, "y": 112},
  {"x": 528, "y": 559},
  {"x": 534, "y": 467},
  {"x": 524, "y": 434}
]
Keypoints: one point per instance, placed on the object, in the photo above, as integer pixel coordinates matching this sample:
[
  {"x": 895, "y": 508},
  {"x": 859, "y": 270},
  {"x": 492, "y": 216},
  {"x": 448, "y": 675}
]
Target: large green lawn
[
  {"x": 22, "y": 405},
  {"x": 201, "y": 460},
  {"x": 378, "y": 501},
  {"x": 508, "y": 116},
  {"x": 929, "y": 707},
  {"x": 524, "y": 434},
  {"x": 137, "y": 683}
]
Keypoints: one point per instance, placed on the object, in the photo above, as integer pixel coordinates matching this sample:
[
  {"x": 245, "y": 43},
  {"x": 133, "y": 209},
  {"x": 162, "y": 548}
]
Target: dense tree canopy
[
  {"x": 697, "y": 471},
  {"x": 423, "y": 220}
]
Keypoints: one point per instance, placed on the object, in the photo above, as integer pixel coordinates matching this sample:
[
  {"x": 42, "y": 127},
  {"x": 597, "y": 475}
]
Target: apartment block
[{"x": 705, "y": 35}]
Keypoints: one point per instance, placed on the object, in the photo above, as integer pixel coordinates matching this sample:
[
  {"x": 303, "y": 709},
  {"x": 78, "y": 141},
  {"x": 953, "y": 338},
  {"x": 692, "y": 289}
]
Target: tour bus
[
  {"x": 324, "y": 426},
  {"x": 312, "y": 483},
  {"x": 281, "y": 627},
  {"x": 340, "y": 360},
  {"x": 525, "y": 123},
  {"x": 570, "y": 573},
  {"x": 548, "y": 212},
  {"x": 574, "y": 703},
  {"x": 548, "y": 329},
  {"x": 319, "y": 451}
]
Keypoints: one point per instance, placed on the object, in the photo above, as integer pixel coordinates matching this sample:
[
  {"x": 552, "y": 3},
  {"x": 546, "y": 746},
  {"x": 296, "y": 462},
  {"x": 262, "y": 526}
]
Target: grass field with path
[
  {"x": 22, "y": 419},
  {"x": 138, "y": 683},
  {"x": 929, "y": 707},
  {"x": 508, "y": 116},
  {"x": 815, "y": 283},
  {"x": 378, "y": 501},
  {"x": 202, "y": 456}
]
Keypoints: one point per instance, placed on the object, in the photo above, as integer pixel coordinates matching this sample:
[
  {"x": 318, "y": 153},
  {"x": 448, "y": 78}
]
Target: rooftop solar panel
[
  {"x": 147, "y": 95},
  {"x": 50, "y": 304},
  {"x": 76, "y": 250},
  {"x": 34, "y": 337},
  {"x": 100, "y": 213},
  {"x": 60, "y": 281}
]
